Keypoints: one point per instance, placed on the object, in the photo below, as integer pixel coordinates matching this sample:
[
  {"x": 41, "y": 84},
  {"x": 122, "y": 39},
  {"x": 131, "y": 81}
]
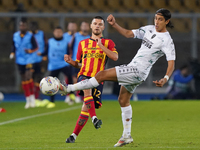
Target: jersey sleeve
[
  {"x": 79, "y": 53},
  {"x": 169, "y": 49},
  {"x": 139, "y": 33},
  {"x": 112, "y": 46}
]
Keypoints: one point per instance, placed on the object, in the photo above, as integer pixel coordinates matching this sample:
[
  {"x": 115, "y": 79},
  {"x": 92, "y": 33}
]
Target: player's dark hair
[
  {"x": 184, "y": 66},
  {"x": 167, "y": 15},
  {"x": 34, "y": 23},
  {"x": 99, "y": 17},
  {"x": 58, "y": 27},
  {"x": 24, "y": 20}
]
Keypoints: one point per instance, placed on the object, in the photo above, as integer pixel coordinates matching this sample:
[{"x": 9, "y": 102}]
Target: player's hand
[
  {"x": 29, "y": 51},
  {"x": 161, "y": 82},
  {"x": 98, "y": 41},
  {"x": 12, "y": 55},
  {"x": 111, "y": 19},
  {"x": 39, "y": 53},
  {"x": 67, "y": 58}
]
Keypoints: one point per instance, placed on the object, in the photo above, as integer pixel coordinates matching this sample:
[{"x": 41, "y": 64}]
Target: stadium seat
[
  {"x": 132, "y": 6},
  {"x": 53, "y": 4},
  {"x": 159, "y": 4},
  {"x": 192, "y": 5},
  {"x": 37, "y": 5},
  {"x": 8, "y": 4},
  {"x": 175, "y": 5},
  {"x": 45, "y": 25},
  {"x": 70, "y": 5},
  {"x": 101, "y": 6},
  {"x": 116, "y": 5},
  {"x": 26, "y": 3},
  {"x": 145, "y": 5},
  {"x": 86, "y": 6},
  {"x": 181, "y": 25}
]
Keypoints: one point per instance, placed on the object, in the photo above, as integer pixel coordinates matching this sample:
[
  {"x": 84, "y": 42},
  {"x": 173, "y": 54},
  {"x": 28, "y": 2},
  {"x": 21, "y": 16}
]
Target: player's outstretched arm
[
  {"x": 69, "y": 60},
  {"x": 169, "y": 72},
  {"x": 127, "y": 33}
]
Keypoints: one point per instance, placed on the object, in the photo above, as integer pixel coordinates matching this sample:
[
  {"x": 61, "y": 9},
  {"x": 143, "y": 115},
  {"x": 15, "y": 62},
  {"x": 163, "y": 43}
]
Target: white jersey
[{"x": 154, "y": 45}]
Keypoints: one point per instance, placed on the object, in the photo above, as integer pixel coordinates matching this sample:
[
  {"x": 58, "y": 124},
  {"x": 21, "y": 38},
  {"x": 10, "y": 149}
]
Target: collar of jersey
[{"x": 95, "y": 40}]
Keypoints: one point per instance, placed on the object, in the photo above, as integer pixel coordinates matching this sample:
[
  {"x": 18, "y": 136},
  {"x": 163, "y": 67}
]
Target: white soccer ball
[
  {"x": 1, "y": 96},
  {"x": 49, "y": 86}
]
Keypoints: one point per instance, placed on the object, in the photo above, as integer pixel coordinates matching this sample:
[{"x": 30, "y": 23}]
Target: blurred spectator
[
  {"x": 69, "y": 35},
  {"x": 179, "y": 84},
  {"x": 24, "y": 45},
  {"x": 56, "y": 49},
  {"x": 42, "y": 43},
  {"x": 77, "y": 37},
  {"x": 196, "y": 73}
]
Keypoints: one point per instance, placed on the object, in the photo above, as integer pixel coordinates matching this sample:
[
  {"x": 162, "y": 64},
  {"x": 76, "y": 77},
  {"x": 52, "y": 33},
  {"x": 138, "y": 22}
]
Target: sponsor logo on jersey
[
  {"x": 93, "y": 55},
  {"x": 147, "y": 43}
]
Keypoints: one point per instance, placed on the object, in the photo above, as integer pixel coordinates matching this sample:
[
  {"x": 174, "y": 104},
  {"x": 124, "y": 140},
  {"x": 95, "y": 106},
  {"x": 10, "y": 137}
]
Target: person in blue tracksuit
[
  {"x": 77, "y": 37},
  {"x": 24, "y": 45},
  {"x": 179, "y": 84},
  {"x": 42, "y": 43},
  {"x": 57, "y": 47}
]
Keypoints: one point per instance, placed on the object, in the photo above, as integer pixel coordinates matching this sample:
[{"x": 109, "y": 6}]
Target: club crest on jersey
[
  {"x": 48, "y": 81},
  {"x": 153, "y": 36}
]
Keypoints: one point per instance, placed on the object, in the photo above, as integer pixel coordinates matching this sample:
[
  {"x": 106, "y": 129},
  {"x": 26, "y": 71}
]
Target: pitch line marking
[{"x": 39, "y": 115}]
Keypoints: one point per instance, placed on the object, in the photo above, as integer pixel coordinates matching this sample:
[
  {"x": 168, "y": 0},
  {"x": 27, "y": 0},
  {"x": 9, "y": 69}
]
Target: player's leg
[
  {"x": 53, "y": 73},
  {"x": 105, "y": 75},
  {"x": 68, "y": 73},
  {"x": 82, "y": 120},
  {"x": 29, "y": 78},
  {"x": 25, "y": 87},
  {"x": 124, "y": 101},
  {"x": 37, "y": 75}
]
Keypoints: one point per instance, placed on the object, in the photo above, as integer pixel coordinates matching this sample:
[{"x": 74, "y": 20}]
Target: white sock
[
  {"x": 74, "y": 135},
  {"x": 126, "y": 120},
  {"x": 93, "y": 118},
  {"x": 28, "y": 99},
  {"x": 85, "y": 84}
]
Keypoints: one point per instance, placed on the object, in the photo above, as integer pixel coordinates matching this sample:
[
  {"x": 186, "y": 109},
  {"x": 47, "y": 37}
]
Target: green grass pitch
[{"x": 155, "y": 125}]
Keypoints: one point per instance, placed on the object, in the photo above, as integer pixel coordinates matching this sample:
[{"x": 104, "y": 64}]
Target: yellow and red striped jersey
[{"x": 92, "y": 57}]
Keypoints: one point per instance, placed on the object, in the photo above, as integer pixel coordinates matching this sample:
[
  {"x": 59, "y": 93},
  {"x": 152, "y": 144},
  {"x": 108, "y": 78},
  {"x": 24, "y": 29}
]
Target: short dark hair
[
  {"x": 99, "y": 17},
  {"x": 166, "y": 14},
  {"x": 24, "y": 20},
  {"x": 34, "y": 23},
  {"x": 184, "y": 66},
  {"x": 58, "y": 27}
]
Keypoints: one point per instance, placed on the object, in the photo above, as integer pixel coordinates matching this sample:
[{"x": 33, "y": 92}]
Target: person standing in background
[
  {"x": 72, "y": 29},
  {"x": 42, "y": 43},
  {"x": 24, "y": 45},
  {"x": 77, "y": 37},
  {"x": 56, "y": 49}
]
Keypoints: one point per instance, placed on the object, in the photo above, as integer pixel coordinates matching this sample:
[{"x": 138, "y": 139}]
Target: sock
[
  {"x": 85, "y": 84},
  {"x": 89, "y": 102},
  {"x": 126, "y": 120},
  {"x": 83, "y": 118},
  {"x": 37, "y": 90},
  {"x": 25, "y": 87},
  {"x": 31, "y": 86}
]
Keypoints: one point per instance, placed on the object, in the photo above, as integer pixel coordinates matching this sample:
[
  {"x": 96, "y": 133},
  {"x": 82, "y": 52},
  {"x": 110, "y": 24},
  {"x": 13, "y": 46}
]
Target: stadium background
[{"x": 129, "y": 13}]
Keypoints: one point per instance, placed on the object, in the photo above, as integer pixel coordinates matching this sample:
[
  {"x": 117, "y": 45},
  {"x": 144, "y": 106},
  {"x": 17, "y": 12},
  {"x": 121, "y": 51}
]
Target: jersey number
[{"x": 97, "y": 93}]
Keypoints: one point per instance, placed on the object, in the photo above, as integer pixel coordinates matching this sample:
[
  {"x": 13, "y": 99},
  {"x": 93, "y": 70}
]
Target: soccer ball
[
  {"x": 49, "y": 86},
  {"x": 1, "y": 96}
]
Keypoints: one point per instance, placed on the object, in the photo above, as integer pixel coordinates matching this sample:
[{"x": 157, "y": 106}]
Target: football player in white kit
[{"x": 156, "y": 42}]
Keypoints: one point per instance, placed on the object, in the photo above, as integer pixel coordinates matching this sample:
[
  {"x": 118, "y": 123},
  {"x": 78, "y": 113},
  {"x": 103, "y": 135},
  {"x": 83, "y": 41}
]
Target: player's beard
[{"x": 97, "y": 33}]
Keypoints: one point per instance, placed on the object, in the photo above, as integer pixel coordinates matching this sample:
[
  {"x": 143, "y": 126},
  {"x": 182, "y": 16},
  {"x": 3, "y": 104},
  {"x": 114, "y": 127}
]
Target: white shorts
[{"x": 129, "y": 77}]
